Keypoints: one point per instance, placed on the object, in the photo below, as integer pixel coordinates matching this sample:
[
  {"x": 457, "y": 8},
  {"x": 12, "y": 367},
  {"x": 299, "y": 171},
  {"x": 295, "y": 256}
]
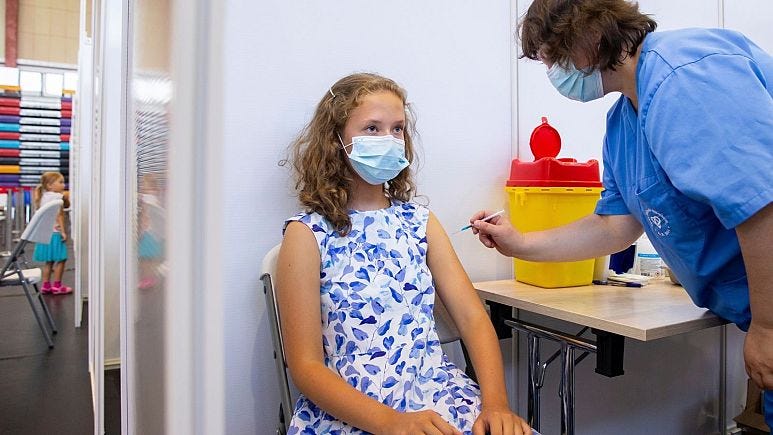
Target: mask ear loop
[{"x": 341, "y": 141}]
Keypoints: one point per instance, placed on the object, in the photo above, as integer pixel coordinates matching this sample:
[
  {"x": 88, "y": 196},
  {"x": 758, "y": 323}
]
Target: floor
[{"x": 46, "y": 391}]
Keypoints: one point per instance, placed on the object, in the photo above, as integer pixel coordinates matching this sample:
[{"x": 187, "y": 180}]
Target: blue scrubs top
[{"x": 697, "y": 159}]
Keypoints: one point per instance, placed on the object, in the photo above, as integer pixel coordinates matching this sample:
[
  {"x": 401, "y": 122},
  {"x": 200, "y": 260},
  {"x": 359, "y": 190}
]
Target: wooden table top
[{"x": 659, "y": 309}]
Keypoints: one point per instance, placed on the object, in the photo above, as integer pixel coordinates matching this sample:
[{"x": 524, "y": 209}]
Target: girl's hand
[
  {"x": 418, "y": 423},
  {"x": 499, "y": 421},
  {"x": 64, "y": 236}
]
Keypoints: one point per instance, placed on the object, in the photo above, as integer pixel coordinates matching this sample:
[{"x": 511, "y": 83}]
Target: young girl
[
  {"x": 360, "y": 269},
  {"x": 54, "y": 254}
]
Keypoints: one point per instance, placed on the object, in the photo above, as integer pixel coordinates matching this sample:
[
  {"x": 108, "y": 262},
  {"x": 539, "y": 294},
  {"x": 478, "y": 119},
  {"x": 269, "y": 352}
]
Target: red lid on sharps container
[
  {"x": 545, "y": 140},
  {"x": 548, "y": 171}
]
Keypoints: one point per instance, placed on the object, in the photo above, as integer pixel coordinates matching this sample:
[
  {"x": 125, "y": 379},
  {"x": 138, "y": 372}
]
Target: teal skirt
[
  {"x": 55, "y": 251},
  {"x": 149, "y": 247}
]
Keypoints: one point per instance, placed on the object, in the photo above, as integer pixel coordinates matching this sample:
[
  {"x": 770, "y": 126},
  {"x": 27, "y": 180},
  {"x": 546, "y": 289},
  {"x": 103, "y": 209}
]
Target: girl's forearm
[
  {"x": 336, "y": 397},
  {"x": 483, "y": 347}
]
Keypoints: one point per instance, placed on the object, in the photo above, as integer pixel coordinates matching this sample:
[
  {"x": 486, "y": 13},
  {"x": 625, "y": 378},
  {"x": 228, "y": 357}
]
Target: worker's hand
[
  {"x": 758, "y": 355},
  {"x": 418, "y": 423},
  {"x": 497, "y": 233},
  {"x": 499, "y": 421},
  {"x": 64, "y": 236}
]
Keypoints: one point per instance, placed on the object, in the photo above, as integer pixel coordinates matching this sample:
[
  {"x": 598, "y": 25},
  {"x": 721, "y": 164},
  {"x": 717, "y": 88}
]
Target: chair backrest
[
  {"x": 42, "y": 223},
  {"x": 444, "y": 324},
  {"x": 272, "y": 309}
]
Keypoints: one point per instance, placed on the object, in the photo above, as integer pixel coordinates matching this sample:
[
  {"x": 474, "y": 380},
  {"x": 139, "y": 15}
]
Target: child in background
[
  {"x": 356, "y": 282},
  {"x": 54, "y": 254}
]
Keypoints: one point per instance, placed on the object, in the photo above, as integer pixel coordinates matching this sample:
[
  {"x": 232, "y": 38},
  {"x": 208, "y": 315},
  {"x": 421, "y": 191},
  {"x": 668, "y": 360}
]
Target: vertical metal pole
[
  {"x": 19, "y": 210},
  {"x": 567, "y": 389},
  {"x": 27, "y": 207},
  {"x": 534, "y": 379},
  {"x": 11, "y": 208},
  {"x": 722, "y": 380},
  {"x": 8, "y": 223}
]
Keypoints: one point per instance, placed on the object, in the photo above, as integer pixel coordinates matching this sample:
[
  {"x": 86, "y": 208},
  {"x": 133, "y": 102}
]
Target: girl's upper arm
[
  {"x": 297, "y": 290},
  {"x": 451, "y": 281}
]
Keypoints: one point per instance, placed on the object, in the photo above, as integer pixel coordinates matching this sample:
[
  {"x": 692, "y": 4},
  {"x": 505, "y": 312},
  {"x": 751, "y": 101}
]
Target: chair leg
[
  {"x": 45, "y": 310},
  {"x": 281, "y": 428},
  {"x": 37, "y": 315}
]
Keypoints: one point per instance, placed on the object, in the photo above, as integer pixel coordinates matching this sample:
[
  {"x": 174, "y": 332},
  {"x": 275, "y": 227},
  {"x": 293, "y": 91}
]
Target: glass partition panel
[{"x": 151, "y": 93}]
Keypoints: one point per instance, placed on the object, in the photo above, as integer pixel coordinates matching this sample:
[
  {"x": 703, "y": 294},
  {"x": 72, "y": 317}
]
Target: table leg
[
  {"x": 567, "y": 389},
  {"x": 534, "y": 382}
]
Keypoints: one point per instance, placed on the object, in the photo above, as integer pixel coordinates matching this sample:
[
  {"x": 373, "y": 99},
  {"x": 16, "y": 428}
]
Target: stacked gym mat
[{"x": 34, "y": 137}]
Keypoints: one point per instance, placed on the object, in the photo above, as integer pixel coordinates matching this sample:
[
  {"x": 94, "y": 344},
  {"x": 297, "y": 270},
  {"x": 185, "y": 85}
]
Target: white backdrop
[{"x": 453, "y": 57}]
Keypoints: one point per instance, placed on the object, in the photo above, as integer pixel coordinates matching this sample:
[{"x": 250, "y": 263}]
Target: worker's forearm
[
  {"x": 756, "y": 239},
  {"x": 336, "y": 397},
  {"x": 589, "y": 237}
]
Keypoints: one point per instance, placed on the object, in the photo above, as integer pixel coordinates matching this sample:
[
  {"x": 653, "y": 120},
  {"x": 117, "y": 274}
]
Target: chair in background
[
  {"x": 446, "y": 329},
  {"x": 16, "y": 273}
]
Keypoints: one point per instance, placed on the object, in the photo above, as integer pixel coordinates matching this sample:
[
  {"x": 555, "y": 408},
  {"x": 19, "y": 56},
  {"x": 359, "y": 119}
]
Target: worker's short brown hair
[{"x": 603, "y": 31}]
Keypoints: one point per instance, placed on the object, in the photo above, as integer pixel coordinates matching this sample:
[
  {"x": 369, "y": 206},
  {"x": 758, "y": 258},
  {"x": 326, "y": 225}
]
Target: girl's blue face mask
[
  {"x": 377, "y": 159},
  {"x": 575, "y": 84}
]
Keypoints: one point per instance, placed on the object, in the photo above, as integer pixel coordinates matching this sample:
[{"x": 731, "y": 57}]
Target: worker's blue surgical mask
[
  {"x": 377, "y": 159},
  {"x": 575, "y": 84}
]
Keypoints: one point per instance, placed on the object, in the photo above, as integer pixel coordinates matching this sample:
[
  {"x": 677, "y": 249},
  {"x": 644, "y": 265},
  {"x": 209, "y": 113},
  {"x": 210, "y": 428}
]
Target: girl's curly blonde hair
[{"x": 323, "y": 177}]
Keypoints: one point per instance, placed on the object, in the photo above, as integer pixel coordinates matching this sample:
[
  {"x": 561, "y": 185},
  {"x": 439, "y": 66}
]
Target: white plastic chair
[
  {"x": 446, "y": 329},
  {"x": 285, "y": 405},
  {"x": 14, "y": 273}
]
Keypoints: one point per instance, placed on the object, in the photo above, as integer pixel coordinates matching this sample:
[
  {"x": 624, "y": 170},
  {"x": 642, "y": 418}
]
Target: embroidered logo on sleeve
[{"x": 658, "y": 222}]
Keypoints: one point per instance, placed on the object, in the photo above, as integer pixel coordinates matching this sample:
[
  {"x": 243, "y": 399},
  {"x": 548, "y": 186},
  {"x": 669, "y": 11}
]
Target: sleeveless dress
[
  {"x": 56, "y": 249},
  {"x": 378, "y": 329}
]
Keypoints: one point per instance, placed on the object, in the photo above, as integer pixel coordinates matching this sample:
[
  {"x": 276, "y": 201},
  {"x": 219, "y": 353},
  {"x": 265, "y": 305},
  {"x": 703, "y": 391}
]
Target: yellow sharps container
[{"x": 547, "y": 193}]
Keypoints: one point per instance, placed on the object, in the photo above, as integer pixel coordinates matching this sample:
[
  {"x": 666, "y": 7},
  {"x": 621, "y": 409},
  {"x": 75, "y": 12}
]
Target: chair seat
[{"x": 32, "y": 276}]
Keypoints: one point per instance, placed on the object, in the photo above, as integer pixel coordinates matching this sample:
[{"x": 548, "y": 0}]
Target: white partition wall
[
  {"x": 80, "y": 163},
  {"x": 752, "y": 17},
  {"x": 105, "y": 196}
]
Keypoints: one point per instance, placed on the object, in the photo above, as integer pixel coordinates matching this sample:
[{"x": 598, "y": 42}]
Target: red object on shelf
[
  {"x": 548, "y": 171},
  {"x": 9, "y": 102},
  {"x": 66, "y": 113},
  {"x": 66, "y": 105},
  {"x": 9, "y": 135},
  {"x": 4, "y": 110},
  {"x": 64, "y": 137},
  {"x": 9, "y": 153}
]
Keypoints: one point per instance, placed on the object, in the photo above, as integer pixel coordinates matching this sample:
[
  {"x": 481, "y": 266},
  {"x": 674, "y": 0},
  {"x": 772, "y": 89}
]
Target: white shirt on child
[{"x": 47, "y": 197}]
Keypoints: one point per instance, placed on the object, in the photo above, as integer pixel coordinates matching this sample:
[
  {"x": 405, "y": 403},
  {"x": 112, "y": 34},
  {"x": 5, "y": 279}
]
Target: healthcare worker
[{"x": 688, "y": 157}]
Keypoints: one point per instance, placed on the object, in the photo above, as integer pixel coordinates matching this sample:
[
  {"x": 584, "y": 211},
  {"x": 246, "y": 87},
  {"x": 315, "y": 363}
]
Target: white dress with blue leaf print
[{"x": 378, "y": 330}]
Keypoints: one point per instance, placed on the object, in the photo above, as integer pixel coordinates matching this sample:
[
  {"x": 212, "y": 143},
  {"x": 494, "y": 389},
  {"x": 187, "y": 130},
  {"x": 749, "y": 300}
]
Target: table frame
[{"x": 629, "y": 316}]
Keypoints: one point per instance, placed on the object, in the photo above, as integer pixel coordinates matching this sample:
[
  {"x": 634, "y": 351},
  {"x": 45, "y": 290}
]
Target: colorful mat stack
[{"x": 34, "y": 137}]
